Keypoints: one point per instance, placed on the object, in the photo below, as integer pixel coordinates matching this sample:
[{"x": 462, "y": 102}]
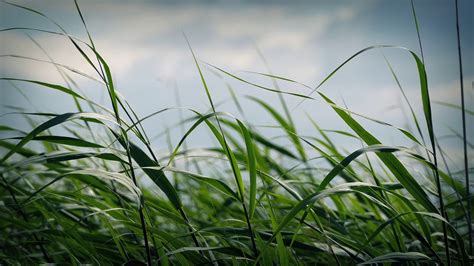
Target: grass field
[{"x": 87, "y": 186}]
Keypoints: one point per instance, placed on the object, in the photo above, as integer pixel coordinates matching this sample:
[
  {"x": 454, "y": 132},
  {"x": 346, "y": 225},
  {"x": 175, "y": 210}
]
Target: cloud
[{"x": 143, "y": 35}]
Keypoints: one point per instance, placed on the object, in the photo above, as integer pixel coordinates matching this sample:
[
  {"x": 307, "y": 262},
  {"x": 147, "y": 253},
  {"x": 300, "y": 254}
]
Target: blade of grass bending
[
  {"x": 120, "y": 178},
  {"x": 275, "y": 84},
  {"x": 144, "y": 138},
  {"x": 344, "y": 63},
  {"x": 467, "y": 111},
  {"x": 201, "y": 119},
  {"x": 262, "y": 140},
  {"x": 417, "y": 125},
  {"x": 417, "y": 31},
  {"x": 231, "y": 156},
  {"x": 56, "y": 157},
  {"x": 399, "y": 257},
  {"x": 340, "y": 66},
  {"x": 280, "y": 96},
  {"x": 90, "y": 39},
  {"x": 59, "y": 67},
  {"x": 234, "y": 164},
  {"x": 51, "y": 123},
  {"x": 392, "y": 163},
  {"x": 151, "y": 168},
  {"x": 65, "y": 141},
  {"x": 310, "y": 210},
  {"x": 308, "y": 201},
  {"x": 49, "y": 85},
  {"x": 463, "y": 115},
  {"x": 425, "y": 97},
  {"x": 402, "y": 130},
  {"x": 252, "y": 167},
  {"x": 229, "y": 152},
  {"x": 286, "y": 125},
  {"x": 217, "y": 184},
  {"x": 377, "y": 148},
  {"x": 412, "y": 112},
  {"x": 63, "y": 89},
  {"x": 429, "y": 121},
  {"x": 259, "y": 86}
]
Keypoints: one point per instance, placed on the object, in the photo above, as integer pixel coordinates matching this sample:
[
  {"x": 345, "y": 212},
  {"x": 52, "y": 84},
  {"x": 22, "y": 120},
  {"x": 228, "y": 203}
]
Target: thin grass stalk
[
  {"x": 433, "y": 145},
  {"x": 463, "y": 115},
  {"x": 275, "y": 85},
  {"x": 227, "y": 148},
  {"x": 109, "y": 84},
  {"x": 143, "y": 136},
  {"x": 140, "y": 210},
  {"x": 181, "y": 210},
  {"x": 440, "y": 194},
  {"x": 190, "y": 229},
  {"x": 146, "y": 141},
  {"x": 282, "y": 257},
  {"x": 417, "y": 31},
  {"x": 247, "y": 217},
  {"x": 132, "y": 172},
  {"x": 458, "y": 196},
  {"x": 384, "y": 196}
]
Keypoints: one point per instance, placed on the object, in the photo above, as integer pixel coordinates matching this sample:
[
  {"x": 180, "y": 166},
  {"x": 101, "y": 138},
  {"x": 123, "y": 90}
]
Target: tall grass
[
  {"x": 80, "y": 197},
  {"x": 464, "y": 133}
]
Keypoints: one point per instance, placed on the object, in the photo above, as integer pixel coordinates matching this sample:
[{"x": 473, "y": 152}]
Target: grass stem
[{"x": 463, "y": 115}]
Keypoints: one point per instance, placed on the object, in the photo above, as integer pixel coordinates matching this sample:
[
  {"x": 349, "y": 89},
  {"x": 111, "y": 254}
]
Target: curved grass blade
[
  {"x": 156, "y": 175},
  {"x": 252, "y": 168},
  {"x": 392, "y": 163},
  {"x": 49, "y": 85},
  {"x": 65, "y": 141},
  {"x": 259, "y": 86},
  {"x": 217, "y": 184},
  {"x": 51, "y": 123},
  {"x": 284, "y": 124},
  {"x": 116, "y": 177},
  {"x": 399, "y": 257}
]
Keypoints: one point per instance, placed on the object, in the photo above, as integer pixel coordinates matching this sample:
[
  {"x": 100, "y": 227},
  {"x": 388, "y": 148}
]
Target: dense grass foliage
[{"x": 73, "y": 188}]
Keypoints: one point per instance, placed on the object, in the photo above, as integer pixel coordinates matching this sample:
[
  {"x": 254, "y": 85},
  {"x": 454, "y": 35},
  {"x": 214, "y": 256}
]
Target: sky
[{"x": 144, "y": 42}]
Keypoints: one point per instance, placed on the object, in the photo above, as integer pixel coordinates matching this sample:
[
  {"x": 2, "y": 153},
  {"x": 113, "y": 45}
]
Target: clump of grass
[{"x": 78, "y": 198}]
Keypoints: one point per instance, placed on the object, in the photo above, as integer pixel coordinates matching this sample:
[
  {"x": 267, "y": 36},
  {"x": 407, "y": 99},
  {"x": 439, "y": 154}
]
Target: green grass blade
[
  {"x": 157, "y": 176},
  {"x": 392, "y": 163}
]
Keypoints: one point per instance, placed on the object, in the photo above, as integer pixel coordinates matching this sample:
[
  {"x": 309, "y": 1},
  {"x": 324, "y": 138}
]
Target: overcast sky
[{"x": 302, "y": 40}]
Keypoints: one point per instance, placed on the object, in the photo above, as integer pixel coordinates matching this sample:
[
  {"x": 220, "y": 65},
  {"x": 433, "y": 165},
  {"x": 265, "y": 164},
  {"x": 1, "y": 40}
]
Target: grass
[{"x": 80, "y": 197}]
